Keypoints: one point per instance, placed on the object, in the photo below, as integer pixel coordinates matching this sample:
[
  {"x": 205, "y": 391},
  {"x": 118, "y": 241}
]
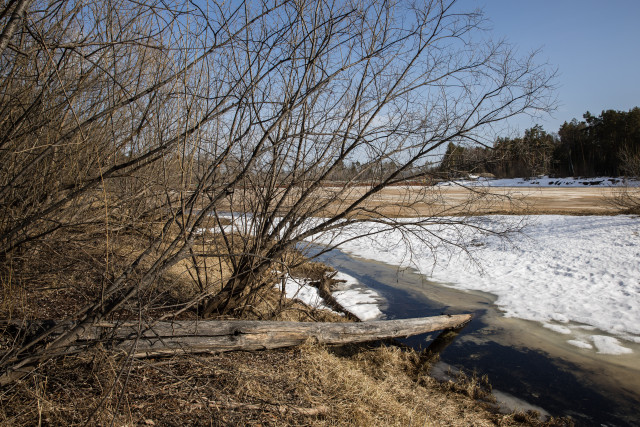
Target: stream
[{"x": 529, "y": 367}]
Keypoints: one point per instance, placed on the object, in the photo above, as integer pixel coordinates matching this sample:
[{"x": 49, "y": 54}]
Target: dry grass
[
  {"x": 626, "y": 200},
  {"x": 417, "y": 201},
  {"x": 310, "y": 385},
  {"x": 55, "y": 280}
]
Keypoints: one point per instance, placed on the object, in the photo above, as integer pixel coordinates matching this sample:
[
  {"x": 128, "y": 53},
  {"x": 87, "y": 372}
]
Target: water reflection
[{"x": 491, "y": 345}]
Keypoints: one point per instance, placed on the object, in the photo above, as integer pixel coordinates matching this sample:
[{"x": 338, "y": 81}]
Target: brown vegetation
[
  {"x": 309, "y": 385},
  {"x": 460, "y": 200},
  {"x": 161, "y": 160}
]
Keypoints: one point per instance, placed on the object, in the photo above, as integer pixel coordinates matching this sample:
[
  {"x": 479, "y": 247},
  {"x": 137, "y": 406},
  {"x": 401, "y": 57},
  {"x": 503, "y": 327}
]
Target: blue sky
[{"x": 595, "y": 46}]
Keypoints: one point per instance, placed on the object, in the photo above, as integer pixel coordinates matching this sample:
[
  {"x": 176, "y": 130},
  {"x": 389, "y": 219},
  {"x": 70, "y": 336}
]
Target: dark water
[{"x": 559, "y": 386}]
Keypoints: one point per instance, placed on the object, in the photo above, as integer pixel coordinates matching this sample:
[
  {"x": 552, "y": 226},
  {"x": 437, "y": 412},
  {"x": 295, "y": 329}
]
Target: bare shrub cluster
[{"x": 140, "y": 141}]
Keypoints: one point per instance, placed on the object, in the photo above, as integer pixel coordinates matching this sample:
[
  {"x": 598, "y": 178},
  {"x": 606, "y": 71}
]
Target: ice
[
  {"x": 609, "y": 345},
  {"x": 582, "y": 270}
]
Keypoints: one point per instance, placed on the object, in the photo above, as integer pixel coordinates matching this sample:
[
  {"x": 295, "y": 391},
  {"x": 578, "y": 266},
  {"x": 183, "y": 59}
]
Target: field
[{"x": 417, "y": 201}]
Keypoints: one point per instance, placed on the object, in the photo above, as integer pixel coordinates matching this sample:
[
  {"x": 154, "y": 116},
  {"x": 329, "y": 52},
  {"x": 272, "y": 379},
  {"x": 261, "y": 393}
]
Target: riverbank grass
[{"x": 308, "y": 385}]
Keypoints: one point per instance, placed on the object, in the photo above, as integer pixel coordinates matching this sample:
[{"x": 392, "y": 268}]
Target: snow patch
[
  {"x": 301, "y": 290},
  {"x": 557, "y": 328},
  {"x": 352, "y": 296},
  {"x": 355, "y": 298},
  {"x": 609, "y": 345},
  {"x": 580, "y": 344}
]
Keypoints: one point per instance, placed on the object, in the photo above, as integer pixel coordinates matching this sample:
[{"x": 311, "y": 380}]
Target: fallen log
[
  {"x": 181, "y": 337},
  {"x": 218, "y": 336}
]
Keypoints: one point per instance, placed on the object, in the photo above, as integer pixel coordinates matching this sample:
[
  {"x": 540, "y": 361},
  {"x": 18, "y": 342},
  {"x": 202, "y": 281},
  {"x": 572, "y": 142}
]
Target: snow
[
  {"x": 580, "y": 344},
  {"x": 299, "y": 289},
  {"x": 609, "y": 345},
  {"x": 545, "y": 181},
  {"x": 355, "y": 298},
  {"x": 352, "y": 296},
  {"x": 570, "y": 273},
  {"x": 557, "y": 328}
]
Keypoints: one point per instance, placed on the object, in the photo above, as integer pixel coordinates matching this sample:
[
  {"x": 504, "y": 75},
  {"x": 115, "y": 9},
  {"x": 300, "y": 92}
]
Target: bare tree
[
  {"x": 177, "y": 115},
  {"x": 402, "y": 91}
]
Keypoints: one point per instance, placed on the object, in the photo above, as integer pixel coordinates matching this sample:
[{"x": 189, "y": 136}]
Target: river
[{"x": 528, "y": 366}]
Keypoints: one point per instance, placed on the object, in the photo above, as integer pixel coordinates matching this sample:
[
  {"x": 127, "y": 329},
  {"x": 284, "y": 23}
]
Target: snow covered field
[
  {"x": 545, "y": 181},
  {"x": 577, "y": 275}
]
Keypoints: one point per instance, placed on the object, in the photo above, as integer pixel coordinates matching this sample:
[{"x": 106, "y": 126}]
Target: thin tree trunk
[{"x": 12, "y": 25}]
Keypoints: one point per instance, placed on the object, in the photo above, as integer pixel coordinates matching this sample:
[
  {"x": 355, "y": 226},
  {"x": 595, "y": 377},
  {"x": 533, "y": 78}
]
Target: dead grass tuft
[
  {"x": 471, "y": 385},
  {"x": 312, "y": 270},
  {"x": 304, "y": 386}
]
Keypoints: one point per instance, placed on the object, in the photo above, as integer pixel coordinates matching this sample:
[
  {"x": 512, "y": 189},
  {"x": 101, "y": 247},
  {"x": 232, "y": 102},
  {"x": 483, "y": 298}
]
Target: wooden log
[
  {"x": 181, "y": 337},
  {"x": 217, "y": 336}
]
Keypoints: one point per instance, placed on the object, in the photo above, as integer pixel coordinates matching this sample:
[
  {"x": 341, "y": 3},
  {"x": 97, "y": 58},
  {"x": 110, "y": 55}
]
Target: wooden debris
[{"x": 180, "y": 337}]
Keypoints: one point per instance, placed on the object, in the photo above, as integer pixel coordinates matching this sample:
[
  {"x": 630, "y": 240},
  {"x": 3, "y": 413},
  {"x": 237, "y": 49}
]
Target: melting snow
[
  {"x": 608, "y": 345},
  {"x": 545, "y": 181},
  {"x": 580, "y": 344},
  {"x": 557, "y": 328},
  {"x": 580, "y": 271},
  {"x": 300, "y": 290},
  {"x": 353, "y": 296},
  {"x": 357, "y": 299}
]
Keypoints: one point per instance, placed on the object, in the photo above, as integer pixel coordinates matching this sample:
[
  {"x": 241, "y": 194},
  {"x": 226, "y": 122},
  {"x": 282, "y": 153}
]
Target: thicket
[
  {"x": 141, "y": 141},
  {"x": 604, "y": 145}
]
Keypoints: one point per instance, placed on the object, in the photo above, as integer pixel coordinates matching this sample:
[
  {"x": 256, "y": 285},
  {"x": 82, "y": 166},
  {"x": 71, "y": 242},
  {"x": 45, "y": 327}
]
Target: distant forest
[{"x": 604, "y": 145}]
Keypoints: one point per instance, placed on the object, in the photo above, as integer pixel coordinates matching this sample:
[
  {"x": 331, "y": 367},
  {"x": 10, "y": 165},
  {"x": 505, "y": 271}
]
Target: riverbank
[
  {"x": 522, "y": 359},
  {"x": 308, "y": 385}
]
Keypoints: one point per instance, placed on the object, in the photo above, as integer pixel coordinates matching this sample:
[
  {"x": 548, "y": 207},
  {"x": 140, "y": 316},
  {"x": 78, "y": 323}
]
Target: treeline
[{"x": 604, "y": 145}]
